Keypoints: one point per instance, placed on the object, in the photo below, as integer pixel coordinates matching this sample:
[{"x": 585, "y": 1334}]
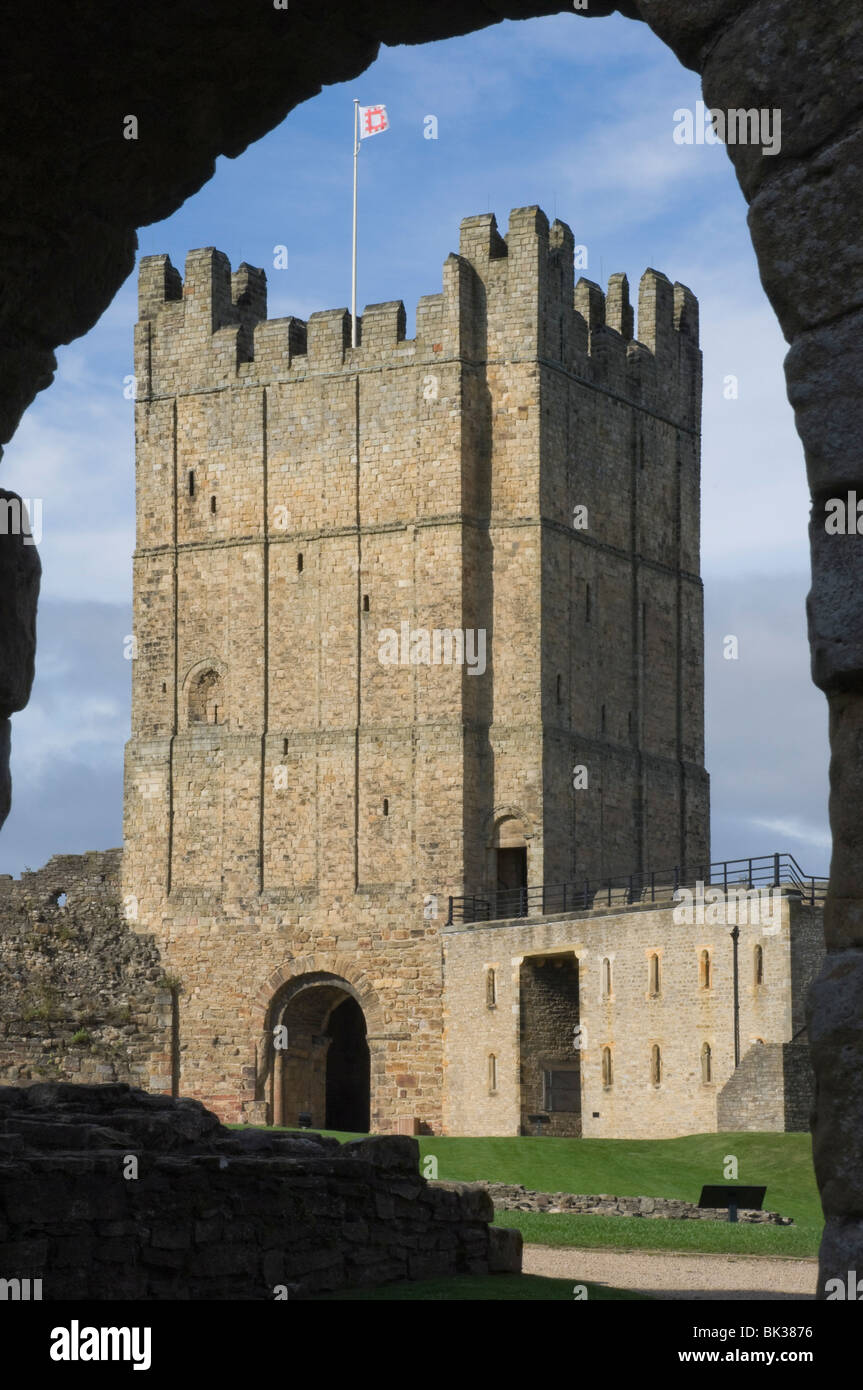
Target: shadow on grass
[{"x": 484, "y": 1288}]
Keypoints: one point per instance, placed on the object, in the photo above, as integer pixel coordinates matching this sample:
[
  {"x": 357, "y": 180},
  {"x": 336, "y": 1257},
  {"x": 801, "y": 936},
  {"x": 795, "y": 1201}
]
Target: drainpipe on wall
[{"x": 735, "y": 936}]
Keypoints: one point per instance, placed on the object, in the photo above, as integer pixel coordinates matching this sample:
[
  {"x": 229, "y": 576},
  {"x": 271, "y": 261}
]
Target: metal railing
[{"x": 655, "y": 885}]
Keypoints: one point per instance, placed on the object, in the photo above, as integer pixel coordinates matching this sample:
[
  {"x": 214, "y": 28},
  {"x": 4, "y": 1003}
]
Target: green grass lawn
[
  {"x": 649, "y": 1168},
  {"x": 489, "y": 1287}
]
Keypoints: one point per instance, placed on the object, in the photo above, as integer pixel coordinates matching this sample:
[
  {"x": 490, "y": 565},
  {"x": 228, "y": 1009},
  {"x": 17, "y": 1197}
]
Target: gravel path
[{"x": 677, "y": 1275}]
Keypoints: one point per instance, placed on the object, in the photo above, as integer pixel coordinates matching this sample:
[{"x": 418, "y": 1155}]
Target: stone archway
[
  {"x": 320, "y": 1073},
  {"x": 79, "y": 190}
]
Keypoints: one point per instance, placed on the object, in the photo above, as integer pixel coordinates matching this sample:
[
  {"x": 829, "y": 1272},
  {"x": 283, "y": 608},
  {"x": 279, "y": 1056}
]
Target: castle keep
[{"x": 327, "y": 540}]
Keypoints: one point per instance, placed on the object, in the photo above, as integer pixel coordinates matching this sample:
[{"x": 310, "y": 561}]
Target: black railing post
[
  {"x": 725, "y": 876},
  {"x": 653, "y": 886},
  {"x": 564, "y": 897},
  {"x": 449, "y": 916},
  {"x": 776, "y": 871},
  {"x": 749, "y": 882},
  {"x": 676, "y": 877},
  {"x": 586, "y": 892}
]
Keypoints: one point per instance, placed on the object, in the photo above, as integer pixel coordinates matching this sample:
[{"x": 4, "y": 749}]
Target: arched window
[
  {"x": 706, "y": 1063},
  {"x": 206, "y": 701},
  {"x": 490, "y": 988},
  {"x": 492, "y": 1072},
  {"x": 607, "y": 1068},
  {"x": 653, "y": 974},
  {"x": 606, "y": 978},
  {"x": 655, "y": 1065},
  {"x": 704, "y": 970},
  {"x": 758, "y": 965}
]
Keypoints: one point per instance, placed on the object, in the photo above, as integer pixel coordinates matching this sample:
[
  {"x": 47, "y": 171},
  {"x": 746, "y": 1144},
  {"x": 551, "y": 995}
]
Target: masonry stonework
[
  {"x": 615, "y": 1005},
  {"x": 523, "y": 474}
]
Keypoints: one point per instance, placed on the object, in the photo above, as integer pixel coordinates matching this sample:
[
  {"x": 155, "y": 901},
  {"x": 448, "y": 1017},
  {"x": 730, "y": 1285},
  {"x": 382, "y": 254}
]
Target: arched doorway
[
  {"x": 347, "y": 1079},
  {"x": 321, "y": 1073},
  {"x": 510, "y": 866}
]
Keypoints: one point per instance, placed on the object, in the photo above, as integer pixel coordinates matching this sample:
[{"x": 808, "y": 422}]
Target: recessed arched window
[
  {"x": 492, "y": 1072},
  {"x": 299, "y": 564},
  {"x": 655, "y": 1065},
  {"x": 758, "y": 965},
  {"x": 60, "y": 899},
  {"x": 606, "y": 978},
  {"x": 213, "y": 504},
  {"x": 706, "y": 1063},
  {"x": 191, "y": 482},
  {"x": 654, "y": 978},
  {"x": 490, "y": 988},
  {"x": 704, "y": 970},
  {"x": 607, "y": 1068},
  {"x": 206, "y": 699},
  {"x": 386, "y": 805},
  {"x": 365, "y": 603}
]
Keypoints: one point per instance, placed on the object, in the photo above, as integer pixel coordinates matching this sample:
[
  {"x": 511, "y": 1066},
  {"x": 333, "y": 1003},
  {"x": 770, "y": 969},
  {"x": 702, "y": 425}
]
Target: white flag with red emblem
[{"x": 373, "y": 120}]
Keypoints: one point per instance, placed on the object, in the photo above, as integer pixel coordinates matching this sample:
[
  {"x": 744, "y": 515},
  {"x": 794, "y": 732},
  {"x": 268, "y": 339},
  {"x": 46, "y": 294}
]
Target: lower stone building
[
  {"x": 633, "y": 1020},
  {"x": 623, "y": 1020}
]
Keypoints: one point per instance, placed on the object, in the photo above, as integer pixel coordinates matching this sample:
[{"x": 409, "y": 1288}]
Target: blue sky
[{"x": 575, "y": 115}]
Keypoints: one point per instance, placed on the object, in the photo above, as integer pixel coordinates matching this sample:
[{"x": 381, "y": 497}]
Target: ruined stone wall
[
  {"x": 109, "y": 1193},
  {"x": 289, "y": 795},
  {"x": 82, "y": 996},
  {"x": 683, "y": 1016}
]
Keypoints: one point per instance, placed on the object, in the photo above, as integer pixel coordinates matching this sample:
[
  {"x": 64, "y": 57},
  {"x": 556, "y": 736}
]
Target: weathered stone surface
[
  {"x": 20, "y": 572},
  {"x": 690, "y": 26},
  {"x": 512, "y": 1197},
  {"x": 505, "y": 1250},
  {"x": 824, "y": 372},
  {"x": 82, "y": 996},
  {"x": 835, "y": 605},
  {"x": 211, "y": 1214},
  {"x": 391, "y": 1152},
  {"x": 842, "y": 915},
  {"x": 5, "y": 769},
  {"x": 836, "y": 1033},
  {"x": 747, "y": 68},
  {"x": 804, "y": 216}
]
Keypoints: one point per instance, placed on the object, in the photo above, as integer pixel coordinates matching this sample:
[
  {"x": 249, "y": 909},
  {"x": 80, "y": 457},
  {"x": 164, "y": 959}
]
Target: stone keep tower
[{"x": 297, "y": 781}]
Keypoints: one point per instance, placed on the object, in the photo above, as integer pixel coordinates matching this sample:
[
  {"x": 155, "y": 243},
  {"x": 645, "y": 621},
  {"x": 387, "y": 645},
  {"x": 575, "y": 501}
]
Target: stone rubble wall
[
  {"x": 218, "y": 1214},
  {"x": 510, "y": 1197},
  {"x": 82, "y": 996}
]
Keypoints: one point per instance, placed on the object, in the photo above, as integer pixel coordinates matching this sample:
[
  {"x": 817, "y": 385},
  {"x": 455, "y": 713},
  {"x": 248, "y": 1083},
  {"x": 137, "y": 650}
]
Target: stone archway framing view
[{"x": 78, "y": 198}]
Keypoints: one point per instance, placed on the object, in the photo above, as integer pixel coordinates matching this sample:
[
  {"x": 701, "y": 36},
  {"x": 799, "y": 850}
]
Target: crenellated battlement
[{"x": 502, "y": 297}]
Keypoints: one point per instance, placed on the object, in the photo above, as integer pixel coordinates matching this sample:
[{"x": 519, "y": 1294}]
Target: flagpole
[{"x": 354, "y": 274}]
